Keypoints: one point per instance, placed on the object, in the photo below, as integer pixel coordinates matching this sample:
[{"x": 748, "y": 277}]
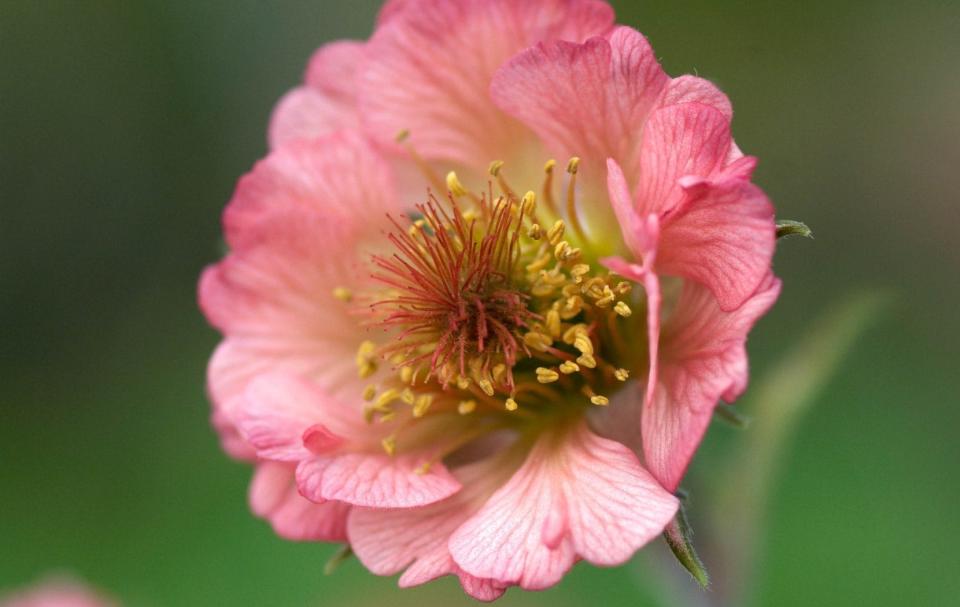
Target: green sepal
[
  {"x": 679, "y": 537},
  {"x": 344, "y": 553},
  {"x": 788, "y": 227},
  {"x": 732, "y": 417}
]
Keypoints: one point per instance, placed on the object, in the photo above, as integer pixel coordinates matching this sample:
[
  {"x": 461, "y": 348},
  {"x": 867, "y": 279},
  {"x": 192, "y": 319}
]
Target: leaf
[
  {"x": 732, "y": 417},
  {"x": 788, "y": 227},
  {"x": 344, "y": 553},
  {"x": 679, "y": 536}
]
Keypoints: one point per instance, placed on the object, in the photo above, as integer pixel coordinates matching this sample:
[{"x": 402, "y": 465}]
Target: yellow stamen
[
  {"x": 621, "y": 374},
  {"x": 553, "y": 323},
  {"x": 548, "y": 186},
  {"x": 529, "y": 204},
  {"x": 546, "y": 376},
  {"x": 570, "y": 335},
  {"x": 583, "y": 343},
  {"x": 511, "y": 405},
  {"x": 555, "y": 233},
  {"x": 602, "y": 401},
  {"x": 568, "y": 367},
  {"x": 366, "y": 363},
  {"x": 587, "y": 360},
  {"x": 466, "y": 407},
  {"x": 486, "y": 386},
  {"x": 343, "y": 294},
  {"x": 537, "y": 341},
  {"x": 406, "y": 374},
  {"x": 389, "y": 445},
  {"x": 535, "y": 231},
  {"x": 422, "y": 405},
  {"x": 622, "y": 309},
  {"x": 407, "y": 396},
  {"x": 369, "y": 392},
  {"x": 572, "y": 168}
]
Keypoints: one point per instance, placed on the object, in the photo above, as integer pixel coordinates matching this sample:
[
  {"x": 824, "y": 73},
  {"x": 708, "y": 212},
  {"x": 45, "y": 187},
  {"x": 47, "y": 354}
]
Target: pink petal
[
  {"x": 278, "y": 409},
  {"x": 375, "y": 480},
  {"x": 339, "y": 179},
  {"x": 704, "y": 359},
  {"x": 588, "y": 100},
  {"x": 692, "y": 89},
  {"x": 415, "y": 539},
  {"x": 680, "y": 140},
  {"x": 431, "y": 63},
  {"x": 328, "y": 100},
  {"x": 723, "y": 236},
  {"x": 274, "y": 496},
  {"x": 577, "y": 495}
]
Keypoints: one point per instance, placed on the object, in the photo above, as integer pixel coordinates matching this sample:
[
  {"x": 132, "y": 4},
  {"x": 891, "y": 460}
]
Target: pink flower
[
  {"x": 426, "y": 354},
  {"x": 55, "y": 593}
]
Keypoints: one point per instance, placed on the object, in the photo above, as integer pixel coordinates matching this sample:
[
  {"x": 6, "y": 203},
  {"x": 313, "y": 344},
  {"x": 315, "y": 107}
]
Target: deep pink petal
[
  {"x": 723, "y": 236},
  {"x": 588, "y": 100},
  {"x": 375, "y": 480},
  {"x": 577, "y": 495},
  {"x": 431, "y": 63},
  {"x": 326, "y": 103},
  {"x": 704, "y": 359},
  {"x": 273, "y": 495}
]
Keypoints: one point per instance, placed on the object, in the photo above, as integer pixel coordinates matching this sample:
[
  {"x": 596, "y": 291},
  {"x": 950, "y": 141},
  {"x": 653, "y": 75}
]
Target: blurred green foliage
[{"x": 123, "y": 127}]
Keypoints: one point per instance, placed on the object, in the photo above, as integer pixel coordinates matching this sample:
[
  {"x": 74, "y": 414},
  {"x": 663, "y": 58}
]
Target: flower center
[{"x": 488, "y": 310}]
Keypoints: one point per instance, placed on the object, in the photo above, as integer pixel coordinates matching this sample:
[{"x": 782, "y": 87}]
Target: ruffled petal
[
  {"x": 327, "y": 102},
  {"x": 375, "y": 480},
  {"x": 415, "y": 540},
  {"x": 340, "y": 179},
  {"x": 588, "y": 100},
  {"x": 273, "y": 495},
  {"x": 693, "y": 89},
  {"x": 704, "y": 359},
  {"x": 722, "y": 235},
  {"x": 577, "y": 495},
  {"x": 431, "y": 63},
  {"x": 277, "y": 410},
  {"x": 680, "y": 140}
]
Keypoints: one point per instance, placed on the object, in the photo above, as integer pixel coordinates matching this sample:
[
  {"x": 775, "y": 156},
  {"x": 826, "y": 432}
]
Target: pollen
[
  {"x": 568, "y": 367},
  {"x": 546, "y": 376}
]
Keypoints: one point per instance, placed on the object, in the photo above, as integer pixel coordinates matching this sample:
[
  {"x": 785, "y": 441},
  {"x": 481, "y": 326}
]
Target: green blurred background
[{"x": 124, "y": 125}]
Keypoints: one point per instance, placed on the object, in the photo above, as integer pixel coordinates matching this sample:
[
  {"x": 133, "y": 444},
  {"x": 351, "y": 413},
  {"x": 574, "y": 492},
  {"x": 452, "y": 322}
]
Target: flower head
[{"x": 444, "y": 347}]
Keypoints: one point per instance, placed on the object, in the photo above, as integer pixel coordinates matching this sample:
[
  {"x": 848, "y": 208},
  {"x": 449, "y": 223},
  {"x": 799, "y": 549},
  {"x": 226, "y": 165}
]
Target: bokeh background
[{"x": 123, "y": 127}]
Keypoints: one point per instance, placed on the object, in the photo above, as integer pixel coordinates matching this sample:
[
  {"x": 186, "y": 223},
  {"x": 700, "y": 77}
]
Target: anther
[
  {"x": 486, "y": 386},
  {"x": 422, "y": 405},
  {"x": 366, "y": 364},
  {"x": 601, "y": 401},
  {"x": 537, "y": 340},
  {"x": 582, "y": 343},
  {"x": 535, "y": 232},
  {"x": 407, "y": 396},
  {"x": 406, "y": 374},
  {"x": 587, "y": 360},
  {"x": 623, "y": 287},
  {"x": 546, "y": 376},
  {"x": 553, "y": 323},
  {"x": 389, "y": 445},
  {"x": 466, "y": 407},
  {"x": 556, "y": 232},
  {"x": 567, "y": 367},
  {"x": 495, "y": 167},
  {"x": 510, "y": 405},
  {"x": 343, "y": 294},
  {"x": 622, "y": 309},
  {"x": 386, "y": 398},
  {"x": 570, "y": 335},
  {"x": 621, "y": 374},
  {"x": 453, "y": 184},
  {"x": 369, "y": 392},
  {"x": 529, "y": 204}
]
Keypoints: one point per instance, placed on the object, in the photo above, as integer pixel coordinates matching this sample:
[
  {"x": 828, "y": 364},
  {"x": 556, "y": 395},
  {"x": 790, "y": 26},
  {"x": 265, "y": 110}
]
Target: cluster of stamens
[{"x": 485, "y": 310}]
